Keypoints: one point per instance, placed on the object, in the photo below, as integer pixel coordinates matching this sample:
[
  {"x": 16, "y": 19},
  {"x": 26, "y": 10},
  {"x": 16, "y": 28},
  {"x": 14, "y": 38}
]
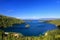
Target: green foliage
[
  {"x": 52, "y": 35},
  {"x": 6, "y": 21}
]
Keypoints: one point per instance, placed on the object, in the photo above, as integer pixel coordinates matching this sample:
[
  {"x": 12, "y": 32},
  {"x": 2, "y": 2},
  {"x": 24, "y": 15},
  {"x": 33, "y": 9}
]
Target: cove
[{"x": 35, "y": 28}]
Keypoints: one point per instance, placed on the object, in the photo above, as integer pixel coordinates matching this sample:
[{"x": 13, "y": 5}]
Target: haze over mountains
[
  {"x": 49, "y": 18},
  {"x": 43, "y": 19}
]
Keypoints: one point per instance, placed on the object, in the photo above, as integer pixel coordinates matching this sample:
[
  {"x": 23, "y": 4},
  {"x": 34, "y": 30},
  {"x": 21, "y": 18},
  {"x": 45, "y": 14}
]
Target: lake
[{"x": 35, "y": 28}]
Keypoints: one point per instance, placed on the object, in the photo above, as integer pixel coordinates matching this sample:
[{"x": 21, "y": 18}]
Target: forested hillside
[{"x": 6, "y": 21}]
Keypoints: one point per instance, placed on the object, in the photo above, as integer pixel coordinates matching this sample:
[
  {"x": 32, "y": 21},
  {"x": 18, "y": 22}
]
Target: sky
[{"x": 30, "y": 9}]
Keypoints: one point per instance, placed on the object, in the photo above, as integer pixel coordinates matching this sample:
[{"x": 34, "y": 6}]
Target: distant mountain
[
  {"x": 48, "y": 18},
  {"x": 43, "y": 19}
]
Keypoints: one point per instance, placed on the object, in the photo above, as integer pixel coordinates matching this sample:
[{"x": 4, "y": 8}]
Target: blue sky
[{"x": 30, "y": 9}]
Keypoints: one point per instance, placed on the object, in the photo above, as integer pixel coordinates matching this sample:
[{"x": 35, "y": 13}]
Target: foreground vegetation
[
  {"x": 49, "y": 35},
  {"x": 52, "y": 35}
]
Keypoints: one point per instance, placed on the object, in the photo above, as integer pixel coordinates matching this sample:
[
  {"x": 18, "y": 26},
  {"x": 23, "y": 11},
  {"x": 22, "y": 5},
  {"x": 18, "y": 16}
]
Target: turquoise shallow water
[{"x": 35, "y": 29}]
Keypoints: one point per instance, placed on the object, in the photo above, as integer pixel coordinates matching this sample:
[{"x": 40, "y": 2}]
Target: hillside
[
  {"x": 56, "y": 22},
  {"x": 52, "y": 35},
  {"x": 8, "y": 21}
]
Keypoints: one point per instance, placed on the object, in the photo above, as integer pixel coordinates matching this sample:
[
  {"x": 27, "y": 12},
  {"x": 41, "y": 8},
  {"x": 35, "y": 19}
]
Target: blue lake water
[{"x": 36, "y": 28}]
